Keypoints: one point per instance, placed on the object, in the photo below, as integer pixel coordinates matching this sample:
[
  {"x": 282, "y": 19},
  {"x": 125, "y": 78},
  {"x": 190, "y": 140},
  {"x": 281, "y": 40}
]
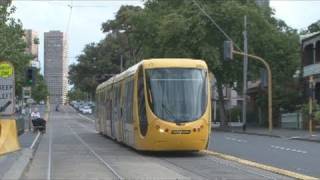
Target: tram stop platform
[{"x": 12, "y": 164}]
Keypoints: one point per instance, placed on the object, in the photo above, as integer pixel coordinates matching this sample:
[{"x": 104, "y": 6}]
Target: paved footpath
[
  {"x": 72, "y": 149},
  {"x": 12, "y": 164}
]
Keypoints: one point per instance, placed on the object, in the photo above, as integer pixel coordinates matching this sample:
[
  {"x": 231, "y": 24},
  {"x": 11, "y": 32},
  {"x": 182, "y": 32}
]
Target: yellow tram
[{"x": 157, "y": 105}]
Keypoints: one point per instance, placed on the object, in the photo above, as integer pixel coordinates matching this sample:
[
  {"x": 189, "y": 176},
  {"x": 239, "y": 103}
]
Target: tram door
[
  {"x": 121, "y": 113},
  {"x": 113, "y": 113}
]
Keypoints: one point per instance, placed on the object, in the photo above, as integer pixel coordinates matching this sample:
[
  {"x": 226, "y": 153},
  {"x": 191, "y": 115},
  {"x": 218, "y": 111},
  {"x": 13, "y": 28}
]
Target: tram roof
[{"x": 135, "y": 67}]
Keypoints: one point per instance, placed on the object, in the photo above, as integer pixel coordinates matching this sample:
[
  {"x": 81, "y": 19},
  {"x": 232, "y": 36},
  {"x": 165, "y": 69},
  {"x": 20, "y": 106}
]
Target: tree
[
  {"x": 314, "y": 27},
  {"x": 39, "y": 91},
  {"x": 12, "y": 45},
  {"x": 165, "y": 28},
  {"x": 76, "y": 94}
]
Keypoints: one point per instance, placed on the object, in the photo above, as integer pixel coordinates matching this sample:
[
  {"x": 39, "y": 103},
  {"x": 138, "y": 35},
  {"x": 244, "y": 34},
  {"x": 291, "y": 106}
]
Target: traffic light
[
  {"x": 30, "y": 76},
  {"x": 227, "y": 50}
]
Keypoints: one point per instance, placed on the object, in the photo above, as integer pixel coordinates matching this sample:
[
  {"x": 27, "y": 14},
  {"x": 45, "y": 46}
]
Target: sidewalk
[
  {"x": 295, "y": 134},
  {"x": 13, "y": 164},
  {"x": 7, "y": 161}
]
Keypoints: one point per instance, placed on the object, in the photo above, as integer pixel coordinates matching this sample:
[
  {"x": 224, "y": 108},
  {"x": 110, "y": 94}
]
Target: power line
[
  {"x": 216, "y": 24},
  {"x": 69, "y": 18}
]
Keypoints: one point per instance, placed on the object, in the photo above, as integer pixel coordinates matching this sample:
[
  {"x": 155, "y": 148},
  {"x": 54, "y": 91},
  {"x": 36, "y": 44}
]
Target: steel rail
[{"x": 114, "y": 172}]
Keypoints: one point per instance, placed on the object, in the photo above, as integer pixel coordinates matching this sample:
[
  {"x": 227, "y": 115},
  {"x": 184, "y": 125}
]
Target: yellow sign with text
[{"x": 6, "y": 69}]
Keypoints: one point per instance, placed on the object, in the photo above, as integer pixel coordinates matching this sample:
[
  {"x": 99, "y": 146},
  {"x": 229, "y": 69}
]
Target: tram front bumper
[{"x": 172, "y": 145}]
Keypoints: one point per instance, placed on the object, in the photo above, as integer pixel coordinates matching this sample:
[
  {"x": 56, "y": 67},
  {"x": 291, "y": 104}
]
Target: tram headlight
[{"x": 161, "y": 130}]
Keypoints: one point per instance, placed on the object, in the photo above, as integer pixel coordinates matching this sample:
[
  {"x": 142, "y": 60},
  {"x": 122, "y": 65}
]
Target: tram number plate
[{"x": 180, "y": 131}]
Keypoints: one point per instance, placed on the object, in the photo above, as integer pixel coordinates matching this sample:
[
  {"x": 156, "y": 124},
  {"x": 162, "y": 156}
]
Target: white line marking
[
  {"x": 289, "y": 149},
  {"x": 87, "y": 118},
  {"x": 35, "y": 140},
  {"x": 231, "y": 164},
  {"x": 50, "y": 152},
  {"x": 96, "y": 155},
  {"x": 237, "y": 140},
  {"x": 86, "y": 128}
]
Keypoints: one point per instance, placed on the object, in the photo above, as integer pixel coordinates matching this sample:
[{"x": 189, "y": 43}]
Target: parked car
[{"x": 86, "y": 110}]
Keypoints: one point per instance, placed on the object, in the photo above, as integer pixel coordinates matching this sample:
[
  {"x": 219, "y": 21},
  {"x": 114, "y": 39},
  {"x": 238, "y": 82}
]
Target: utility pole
[
  {"x": 245, "y": 69},
  {"x": 311, "y": 95},
  {"x": 121, "y": 63},
  {"x": 228, "y": 55}
]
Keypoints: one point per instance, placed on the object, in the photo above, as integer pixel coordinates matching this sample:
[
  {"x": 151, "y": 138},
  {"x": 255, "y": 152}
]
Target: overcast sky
[{"x": 87, "y": 16}]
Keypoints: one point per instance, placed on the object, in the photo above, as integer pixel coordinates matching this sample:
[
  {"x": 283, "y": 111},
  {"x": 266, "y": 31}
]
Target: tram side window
[
  {"x": 128, "y": 104},
  {"x": 124, "y": 102},
  {"x": 116, "y": 107},
  {"x": 130, "y": 101},
  {"x": 108, "y": 105},
  {"x": 142, "y": 104},
  {"x": 118, "y": 102}
]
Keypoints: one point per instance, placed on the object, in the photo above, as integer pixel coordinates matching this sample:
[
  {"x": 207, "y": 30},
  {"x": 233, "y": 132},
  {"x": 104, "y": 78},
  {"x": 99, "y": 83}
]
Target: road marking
[
  {"x": 50, "y": 152},
  {"x": 96, "y": 155},
  {"x": 289, "y": 149},
  {"x": 242, "y": 169},
  {"x": 87, "y": 118},
  {"x": 35, "y": 140},
  {"x": 235, "y": 139},
  {"x": 260, "y": 166},
  {"x": 86, "y": 128}
]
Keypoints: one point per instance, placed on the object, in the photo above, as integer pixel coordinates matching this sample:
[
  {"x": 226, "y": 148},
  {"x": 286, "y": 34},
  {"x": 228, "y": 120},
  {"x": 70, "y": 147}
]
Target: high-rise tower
[
  {"x": 32, "y": 41},
  {"x": 56, "y": 66}
]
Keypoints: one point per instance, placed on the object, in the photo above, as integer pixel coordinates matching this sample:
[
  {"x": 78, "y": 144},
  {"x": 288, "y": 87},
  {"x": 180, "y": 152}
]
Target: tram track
[
  {"x": 188, "y": 170},
  {"x": 95, "y": 154},
  {"x": 86, "y": 145}
]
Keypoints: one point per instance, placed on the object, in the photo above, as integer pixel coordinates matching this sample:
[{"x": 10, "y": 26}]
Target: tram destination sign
[{"x": 7, "y": 88}]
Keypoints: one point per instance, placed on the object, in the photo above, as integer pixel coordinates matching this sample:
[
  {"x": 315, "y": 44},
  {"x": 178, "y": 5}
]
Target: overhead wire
[
  {"x": 66, "y": 33},
  {"x": 215, "y": 23}
]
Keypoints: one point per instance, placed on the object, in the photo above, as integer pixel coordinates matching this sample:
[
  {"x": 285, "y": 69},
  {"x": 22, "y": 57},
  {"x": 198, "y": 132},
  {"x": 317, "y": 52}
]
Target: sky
[{"x": 86, "y": 18}]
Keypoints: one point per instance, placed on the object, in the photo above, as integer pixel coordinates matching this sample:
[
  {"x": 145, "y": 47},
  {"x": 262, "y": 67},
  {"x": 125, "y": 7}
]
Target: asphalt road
[
  {"x": 298, "y": 156},
  {"x": 72, "y": 149}
]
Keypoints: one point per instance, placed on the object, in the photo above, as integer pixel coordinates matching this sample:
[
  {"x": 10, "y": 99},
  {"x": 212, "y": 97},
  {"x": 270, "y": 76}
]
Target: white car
[{"x": 86, "y": 110}]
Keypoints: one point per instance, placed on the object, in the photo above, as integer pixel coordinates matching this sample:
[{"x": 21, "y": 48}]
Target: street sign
[
  {"x": 26, "y": 92},
  {"x": 227, "y": 50},
  {"x": 7, "y": 88}
]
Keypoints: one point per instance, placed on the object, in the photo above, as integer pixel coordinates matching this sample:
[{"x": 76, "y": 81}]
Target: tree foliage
[
  {"x": 12, "y": 49},
  {"x": 12, "y": 45},
  {"x": 166, "y": 28},
  {"x": 39, "y": 90},
  {"x": 76, "y": 94},
  {"x": 314, "y": 27}
]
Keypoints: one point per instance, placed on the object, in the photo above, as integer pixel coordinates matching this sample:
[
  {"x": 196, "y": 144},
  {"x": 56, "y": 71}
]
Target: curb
[
  {"x": 22, "y": 163},
  {"x": 17, "y": 170},
  {"x": 260, "y": 166},
  {"x": 249, "y": 133},
  {"x": 267, "y": 135},
  {"x": 304, "y": 139}
]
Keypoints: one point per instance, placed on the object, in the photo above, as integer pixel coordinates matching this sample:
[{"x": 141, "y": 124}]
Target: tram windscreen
[{"x": 177, "y": 94}]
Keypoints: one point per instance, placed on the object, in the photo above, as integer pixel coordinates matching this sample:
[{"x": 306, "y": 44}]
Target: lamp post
[
  {"x": 311, "y": 92},
  {"x": 228, "y": 54}
]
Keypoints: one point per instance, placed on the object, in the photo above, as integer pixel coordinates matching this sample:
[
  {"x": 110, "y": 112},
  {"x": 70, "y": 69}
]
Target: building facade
[
  {"x": 263, "y": 3},
  {"x": 32, "y": 41},
  {"x": 310, "y": 60},
  {"x": 56, "y": 66}
]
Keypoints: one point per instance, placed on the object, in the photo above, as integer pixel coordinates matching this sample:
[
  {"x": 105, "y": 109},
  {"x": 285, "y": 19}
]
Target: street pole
[
  {"x": 121, "y": 63},
  {"x": 310, "y": 103},
  {"x": 245, "y": 69},
  {"x": 269, "y": 84}
]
